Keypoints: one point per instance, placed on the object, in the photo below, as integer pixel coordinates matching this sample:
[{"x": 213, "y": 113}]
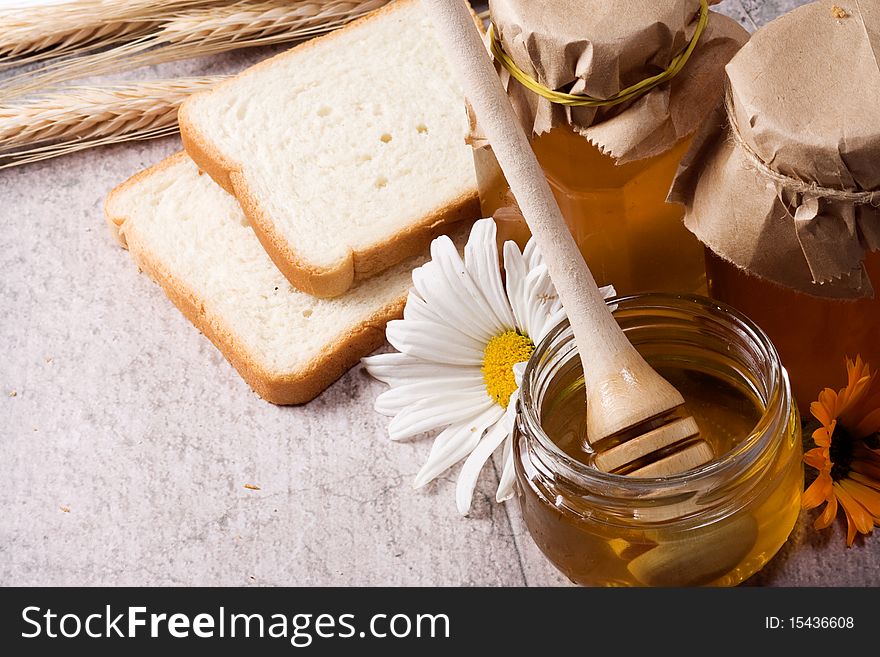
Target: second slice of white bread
[
  {"x": 193, "y": 239},
  {"x": 344, "y": 152}
]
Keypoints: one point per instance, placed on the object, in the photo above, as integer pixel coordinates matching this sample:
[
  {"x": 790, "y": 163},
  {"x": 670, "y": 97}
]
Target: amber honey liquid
[
  {"x": 628, "y": 234},
  {"x": 813, "y": 335},
  {"x": 600, "y": 547},
  {"x": 725, "y": 414}
]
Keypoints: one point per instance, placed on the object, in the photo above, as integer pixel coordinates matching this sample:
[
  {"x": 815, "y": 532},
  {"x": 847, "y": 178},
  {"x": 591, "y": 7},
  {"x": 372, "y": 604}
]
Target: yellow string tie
[{"x": 583, "y": 100}]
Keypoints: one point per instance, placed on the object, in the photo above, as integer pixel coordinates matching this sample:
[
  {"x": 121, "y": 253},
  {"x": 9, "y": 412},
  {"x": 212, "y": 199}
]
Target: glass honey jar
[
  {"x": 714, "y": 525},
  {"x": 610, "y": 153},
  {"x": 814, "y": 335},
  {"x": 783, "y": 187}
]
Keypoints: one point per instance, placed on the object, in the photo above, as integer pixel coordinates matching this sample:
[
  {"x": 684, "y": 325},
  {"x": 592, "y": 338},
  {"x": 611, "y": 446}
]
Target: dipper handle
[{"x": 622, "y": 389}]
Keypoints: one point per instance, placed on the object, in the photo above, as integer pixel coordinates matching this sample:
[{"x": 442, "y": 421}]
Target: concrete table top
[{"x": 127, "y": 441}]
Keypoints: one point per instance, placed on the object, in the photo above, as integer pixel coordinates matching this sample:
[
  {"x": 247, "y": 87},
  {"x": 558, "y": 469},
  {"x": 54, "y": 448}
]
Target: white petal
[
  {"x": 516, "y": 271},
  {"x": 470, "y": 471},
  {"x": 532, "y": 254},
  {"x": 608, "y": 291},
  {"x": 440, "y": 443},
  {"x": 394, "y": 400},
  {"x": 430, "y": 414},
  {"x": 417, "y": 308},
  {"x": 540, "y": 299},
  {"x": 466, "y": 290},
  {"x": 508, "y": 474},
  {"x": 454, "y": 316},
  {"x": 455, "y": 443},
  {"x": 549, "y": 324},
  {"x": 434, "y": 342},
  {"x": 430, "y": 284},
  {"x": 398, "y": 369},
  {"x": 518, "y": 370},
  {"x": 481, "y": 262},
  {"x": 507, "y": 485},
  {"x": 446, "y": 298}
]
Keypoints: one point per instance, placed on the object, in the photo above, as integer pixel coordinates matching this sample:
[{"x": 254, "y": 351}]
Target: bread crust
[
  {"x": 279, "y": 388},
  {"x": 323, "y": 282}
]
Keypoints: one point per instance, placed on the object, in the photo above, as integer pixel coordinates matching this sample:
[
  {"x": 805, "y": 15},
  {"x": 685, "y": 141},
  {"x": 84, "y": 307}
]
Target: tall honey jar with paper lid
[
  {"x": 783, "y": 188},
  {"x": 610, "y": 94}
]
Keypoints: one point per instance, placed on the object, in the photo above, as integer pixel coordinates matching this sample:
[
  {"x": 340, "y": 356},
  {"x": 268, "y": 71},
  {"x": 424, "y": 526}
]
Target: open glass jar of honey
[
  {"x": 715, "y": 525},
  {"x": 783, "y": 188},
  {"x": 610, "y": 93}
]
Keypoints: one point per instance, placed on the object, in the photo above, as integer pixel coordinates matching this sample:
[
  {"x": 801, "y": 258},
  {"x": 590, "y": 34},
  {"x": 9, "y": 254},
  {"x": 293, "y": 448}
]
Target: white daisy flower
[{"x": 462, "y": 344}]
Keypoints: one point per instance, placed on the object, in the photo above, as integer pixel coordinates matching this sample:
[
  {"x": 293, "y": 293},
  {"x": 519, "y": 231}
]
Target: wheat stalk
[
  {"x": 83, "y": 117},
  {"x": 202, "y": 32},
  {"x": 34, "y": 34}
]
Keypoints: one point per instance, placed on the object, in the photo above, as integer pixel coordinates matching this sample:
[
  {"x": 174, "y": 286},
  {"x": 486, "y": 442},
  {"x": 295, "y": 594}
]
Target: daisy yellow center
[{"x": 502, "y": 353}]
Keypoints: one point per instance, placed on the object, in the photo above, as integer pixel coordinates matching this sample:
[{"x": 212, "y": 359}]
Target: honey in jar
[
  {"x": 715, "y": 525},
  {"x": 610, "y": 164},
  {"x": 783, "y": 188},
  {"x": 814, "y": 335}
]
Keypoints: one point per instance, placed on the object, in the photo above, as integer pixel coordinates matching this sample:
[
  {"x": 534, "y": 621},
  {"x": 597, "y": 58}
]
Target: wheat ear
[
  {"x": 34, "y": 34},
  {"x": 202, "y": 32},
  {"x": 82, "y": 117}
]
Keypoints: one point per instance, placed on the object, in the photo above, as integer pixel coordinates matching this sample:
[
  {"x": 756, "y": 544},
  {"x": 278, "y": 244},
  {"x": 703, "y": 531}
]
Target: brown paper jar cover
[
  {"x": 761, "y": 184},
  {"x": 598, "y": 48}
]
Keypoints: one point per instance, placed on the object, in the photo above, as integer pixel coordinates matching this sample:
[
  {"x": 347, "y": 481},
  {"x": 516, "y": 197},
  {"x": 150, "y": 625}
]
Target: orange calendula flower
[{"x": 846, "y": 453}]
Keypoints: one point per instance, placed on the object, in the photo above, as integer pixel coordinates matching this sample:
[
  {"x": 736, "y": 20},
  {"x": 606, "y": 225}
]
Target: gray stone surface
[
  {"x": 128, "y": 443},
  {"x": 763, "y": 11}
]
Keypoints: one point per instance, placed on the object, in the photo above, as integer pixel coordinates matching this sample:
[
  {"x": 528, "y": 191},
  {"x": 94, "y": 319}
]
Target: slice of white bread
[
  {"x": 344, "y": 152},
  {"x": 193, "y": 239}
]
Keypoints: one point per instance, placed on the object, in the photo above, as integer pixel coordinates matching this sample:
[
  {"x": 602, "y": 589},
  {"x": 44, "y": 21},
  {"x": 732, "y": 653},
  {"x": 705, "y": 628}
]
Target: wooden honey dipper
[{"x": 630, "y": 407}]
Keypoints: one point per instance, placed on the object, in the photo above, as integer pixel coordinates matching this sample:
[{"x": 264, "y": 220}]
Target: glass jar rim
[{"x": 734, "y": 461}]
